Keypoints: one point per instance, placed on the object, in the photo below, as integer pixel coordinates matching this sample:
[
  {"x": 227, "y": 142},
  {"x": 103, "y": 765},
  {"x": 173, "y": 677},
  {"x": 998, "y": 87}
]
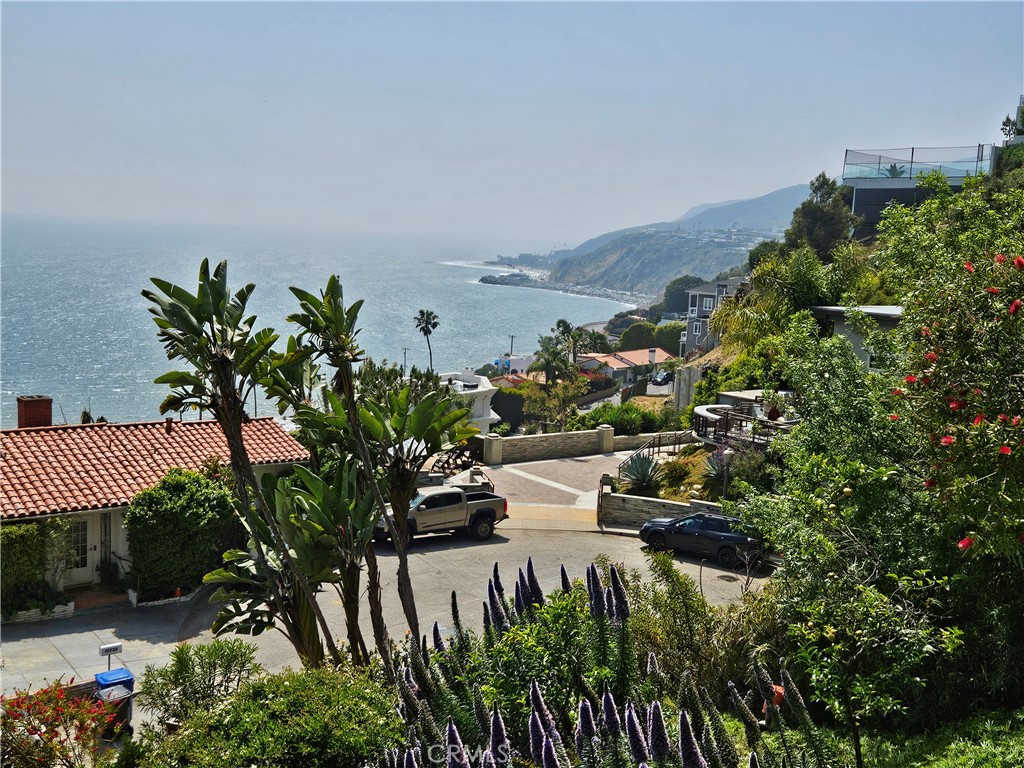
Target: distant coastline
[{"x": 535, "y": 279}]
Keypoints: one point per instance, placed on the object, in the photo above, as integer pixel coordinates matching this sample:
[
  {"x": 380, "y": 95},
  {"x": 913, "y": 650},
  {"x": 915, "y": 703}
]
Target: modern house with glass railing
[{"x": 882, "y": 176}]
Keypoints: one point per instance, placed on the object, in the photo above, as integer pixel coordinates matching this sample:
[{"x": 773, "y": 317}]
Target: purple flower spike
[
  {"x": 635, "y": 736},
  {"x": 652, "y": 665},
  {"x": 524, "y": 585},
  {"x": 487, "y": 619},
  {"x": 487, "y": 760},
  {"x": 411, "y": 682},
  {"x": 546, "y": 718},
  {"x": 611, "y": 714},
  {"x": 537, "y": 738},
  {"x": 660, "y": 746},
  {"x": 410, "y": 760},
  {"x": 550, "y": 759},
  {"x": 566, "y": 584},
  {"x": 688, "y": 748},
  {"x": 497, "y": 582},
  {"x": 519, "y": 602},
  {"x": 586, "y": 724},
  {"x": 619, "y": 590},
  {"x": 531, "y": 578},
  {"x": 456, "y": 752},
  {"x": 439, "y": 645},
  {"x": 609, "y": 602},
  {"x": 498, "y": 616},
  {"x": 499, "y": 746}
]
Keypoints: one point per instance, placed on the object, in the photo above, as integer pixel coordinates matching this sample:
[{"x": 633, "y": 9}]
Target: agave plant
[{"x": 642, "y": 475}]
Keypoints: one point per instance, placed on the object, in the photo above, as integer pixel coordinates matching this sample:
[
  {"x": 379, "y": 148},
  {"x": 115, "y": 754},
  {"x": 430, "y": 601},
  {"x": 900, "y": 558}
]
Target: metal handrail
[{"x": 662, "y": 442}]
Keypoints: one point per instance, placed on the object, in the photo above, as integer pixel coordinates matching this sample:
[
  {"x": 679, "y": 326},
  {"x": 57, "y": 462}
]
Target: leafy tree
[
  {"x": 374, "y": 380},
  {"x": 824, "y": 220},
  {"x": 186, "y": 508},
  {"x": 556, "y": 403},
  {"x": 426, "y": 323},
  {"x": 638, "y": 336},
  {"x": 210, "y": 331},
  {"x": 766, "y": 249},
  {"x": 676, "y": 293},
  {"x": 667, "y": 336}
]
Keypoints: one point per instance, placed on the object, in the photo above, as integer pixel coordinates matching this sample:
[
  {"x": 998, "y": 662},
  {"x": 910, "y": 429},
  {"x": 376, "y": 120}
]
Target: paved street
[{"x": 552, "y": 508}]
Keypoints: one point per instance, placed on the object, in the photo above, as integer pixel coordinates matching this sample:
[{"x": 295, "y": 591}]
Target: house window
[
  {"x": 709, "y": 302},
  {"x": 697, "y": 328},
  {"x": 80, "y": 544}
]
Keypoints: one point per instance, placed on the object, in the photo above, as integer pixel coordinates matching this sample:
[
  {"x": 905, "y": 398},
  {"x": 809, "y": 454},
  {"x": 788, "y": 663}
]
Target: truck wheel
[{"x": 481, "y": 528}]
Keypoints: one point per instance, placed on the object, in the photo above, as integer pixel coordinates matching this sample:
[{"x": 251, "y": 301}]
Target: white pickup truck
[{"x": 448, "y": 508}]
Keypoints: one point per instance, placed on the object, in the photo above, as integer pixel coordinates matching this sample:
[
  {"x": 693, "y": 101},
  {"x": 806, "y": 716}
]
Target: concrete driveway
[{"x": 552, "y": 519}]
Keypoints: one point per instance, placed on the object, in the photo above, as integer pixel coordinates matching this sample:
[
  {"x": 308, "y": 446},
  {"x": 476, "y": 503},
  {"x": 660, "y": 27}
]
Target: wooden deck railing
[{"x": 737, "y": 423}]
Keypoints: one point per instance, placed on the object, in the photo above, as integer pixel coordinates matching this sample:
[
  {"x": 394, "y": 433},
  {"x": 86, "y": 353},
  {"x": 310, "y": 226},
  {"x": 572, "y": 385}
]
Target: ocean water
[{"x": 74, "y": 325}]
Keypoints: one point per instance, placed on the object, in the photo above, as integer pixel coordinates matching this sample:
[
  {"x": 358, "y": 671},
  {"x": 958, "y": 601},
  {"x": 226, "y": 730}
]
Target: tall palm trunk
[
  {"x": 380, "y": 630},
  {"x": 230, "y": 419},
  {"x": 430, "y": 353},
  {"x": 349, "y": 588}
]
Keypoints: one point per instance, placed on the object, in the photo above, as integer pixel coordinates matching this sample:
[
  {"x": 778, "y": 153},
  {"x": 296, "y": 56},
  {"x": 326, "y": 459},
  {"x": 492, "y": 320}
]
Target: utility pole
[
  {"x": 511, "y": 341},
  {"x": 405, "y": 354}
]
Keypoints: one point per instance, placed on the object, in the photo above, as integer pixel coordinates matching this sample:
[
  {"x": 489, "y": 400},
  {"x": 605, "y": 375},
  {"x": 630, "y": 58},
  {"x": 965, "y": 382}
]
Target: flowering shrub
[
  {"x": 963, "y": 335},
  {"x": 53, "y": 728}
]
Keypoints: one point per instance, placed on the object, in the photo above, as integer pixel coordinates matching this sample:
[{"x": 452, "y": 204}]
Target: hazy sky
[{"x": 529, "y": 122}]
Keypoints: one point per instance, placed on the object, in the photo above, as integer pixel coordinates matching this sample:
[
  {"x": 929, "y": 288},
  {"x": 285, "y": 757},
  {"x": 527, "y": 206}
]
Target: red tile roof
[
  {"x": 629, "y": 359},
  {"x": 72, "y": 468}
]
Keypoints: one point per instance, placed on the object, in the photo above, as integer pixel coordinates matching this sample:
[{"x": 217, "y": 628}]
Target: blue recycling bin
[{"x": 119, "y": 676}]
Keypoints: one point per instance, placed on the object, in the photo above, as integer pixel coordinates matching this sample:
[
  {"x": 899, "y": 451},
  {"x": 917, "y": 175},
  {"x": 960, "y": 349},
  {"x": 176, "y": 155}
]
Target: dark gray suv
[{"x": 726, "y": 539}]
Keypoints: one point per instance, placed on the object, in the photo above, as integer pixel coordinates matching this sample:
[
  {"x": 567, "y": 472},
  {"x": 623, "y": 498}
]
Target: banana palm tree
[
  {"x": 426, "y": 323},
  {"x": 211, "y": 332}
]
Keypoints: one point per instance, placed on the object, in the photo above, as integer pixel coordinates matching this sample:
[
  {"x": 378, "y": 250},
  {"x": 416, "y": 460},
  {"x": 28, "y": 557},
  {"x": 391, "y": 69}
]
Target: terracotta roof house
[
  {"x": 625, "y": 367},
  {"x": 91, "y": 471}
]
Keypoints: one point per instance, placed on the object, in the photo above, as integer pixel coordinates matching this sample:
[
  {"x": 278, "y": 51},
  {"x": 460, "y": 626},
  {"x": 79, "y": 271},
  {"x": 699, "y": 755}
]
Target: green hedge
[
  {"x": 23, "y": 562},
  {"x": 507, "y": 402},
  {"x": 173, "y": 529},
  {"x": 315, "y": 718},
  {"x": 31, "y": 553}
]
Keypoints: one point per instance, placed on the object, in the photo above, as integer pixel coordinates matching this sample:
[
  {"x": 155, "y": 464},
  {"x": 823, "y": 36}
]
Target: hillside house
[
  {"x": 701, "y": 302},
  {"x": 90, "y": 472},
  {"x": 886, "y": 315},
  {"x": 477, "y": 392},
  {"x": 883, "y": 176},
  {"x": 625, "y": 367}
]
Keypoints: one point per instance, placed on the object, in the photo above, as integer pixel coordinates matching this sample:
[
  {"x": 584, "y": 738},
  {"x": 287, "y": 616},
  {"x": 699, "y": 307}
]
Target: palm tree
[
  {"x": 426, "y": 323},
  {"x": 552, "y": 360}
]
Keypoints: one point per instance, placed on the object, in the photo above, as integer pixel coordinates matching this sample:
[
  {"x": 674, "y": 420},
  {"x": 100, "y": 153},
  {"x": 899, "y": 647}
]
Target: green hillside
[{"x": 648, "y": 260}]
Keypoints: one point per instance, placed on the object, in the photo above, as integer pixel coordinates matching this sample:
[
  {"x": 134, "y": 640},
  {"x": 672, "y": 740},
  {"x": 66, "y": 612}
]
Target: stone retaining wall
[
  {"x": 560, "y": 445},
  {"x": 634, "y": 511}
]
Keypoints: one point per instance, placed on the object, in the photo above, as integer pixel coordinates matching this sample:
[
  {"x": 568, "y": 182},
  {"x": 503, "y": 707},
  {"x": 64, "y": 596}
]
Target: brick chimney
[{"x": 35, "y": 411}]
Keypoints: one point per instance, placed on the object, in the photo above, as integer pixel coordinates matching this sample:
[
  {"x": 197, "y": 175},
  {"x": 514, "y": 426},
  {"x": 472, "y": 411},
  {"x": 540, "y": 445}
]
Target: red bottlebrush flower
[
  {"x": 926, "y": 380},
  {"x": 1015, "y": 421},
  {"x": 965, "y": 543},
  {"x": 894, "y": 417},
  {"x": 931, "y": 357},
  {"x": 947, "y": 440},
  {"x": 1005, "y": 450},
  {"x": 969, "y": 267},
  {"x": 926, "y": 331},
  {"x": 1014, "y": 306},
  {"x": 993, "y": 290},
  {"x": 1000, "y": 258},
  {"x": 956, "y": 405},
  {"x": 929, "y": 483},
  {"x": 1018, "y": 262},
  {"x": 978, "y": 419},
  {"x": 977, "y": 391},
  {"x": 897, "y": 392},
  {"x": 911, "y": 379},
  {"x": 1002, "y": 417}
]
